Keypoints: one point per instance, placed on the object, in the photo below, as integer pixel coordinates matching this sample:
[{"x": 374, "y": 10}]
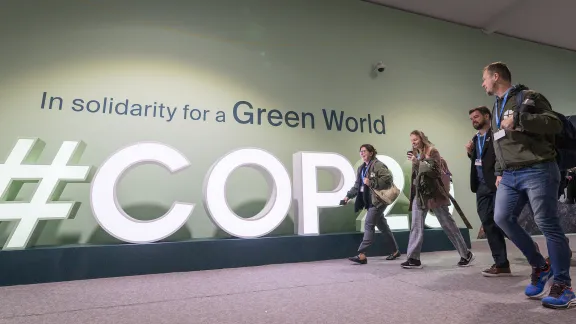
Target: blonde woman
[{"x": 426, "y": 194}]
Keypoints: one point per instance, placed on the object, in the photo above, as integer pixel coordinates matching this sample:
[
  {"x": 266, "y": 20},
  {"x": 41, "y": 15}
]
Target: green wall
[{"x": 295, "y": 55}]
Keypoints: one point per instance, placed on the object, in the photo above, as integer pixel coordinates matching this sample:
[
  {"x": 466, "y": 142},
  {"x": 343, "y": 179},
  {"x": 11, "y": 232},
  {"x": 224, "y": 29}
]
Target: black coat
[{"x": 488, "y": 162}]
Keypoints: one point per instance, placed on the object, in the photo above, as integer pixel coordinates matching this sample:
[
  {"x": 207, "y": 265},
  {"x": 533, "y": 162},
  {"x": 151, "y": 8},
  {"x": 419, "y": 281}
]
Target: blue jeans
[{"x": 537, "y": 185}]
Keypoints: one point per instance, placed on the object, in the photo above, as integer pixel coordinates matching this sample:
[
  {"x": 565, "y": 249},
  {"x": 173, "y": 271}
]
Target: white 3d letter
[
  {"x": 21, "y": 167},
  {"x": 277, "y": 207},
  {"x": 109, "y": 213},
  {"x": 306, "y": 165}
]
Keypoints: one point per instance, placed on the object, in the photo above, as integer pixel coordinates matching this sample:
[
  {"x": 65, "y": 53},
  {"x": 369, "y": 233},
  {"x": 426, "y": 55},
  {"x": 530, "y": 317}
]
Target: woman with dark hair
[
  {"x": 372, "y": 174},
  {"x": 429, "y": 191}
]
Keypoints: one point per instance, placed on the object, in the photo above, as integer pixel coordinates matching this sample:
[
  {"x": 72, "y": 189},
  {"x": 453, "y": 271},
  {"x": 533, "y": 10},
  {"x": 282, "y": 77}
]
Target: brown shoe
[{"x": 493, "y": 271}]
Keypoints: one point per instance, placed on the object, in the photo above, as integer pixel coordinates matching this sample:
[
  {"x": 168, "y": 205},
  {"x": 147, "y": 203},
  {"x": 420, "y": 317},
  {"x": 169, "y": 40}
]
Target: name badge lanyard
[
  {"x": 364, "y": 172},
  {"x": 481, "y": 144},
  {"x": 499, "y": 115}
]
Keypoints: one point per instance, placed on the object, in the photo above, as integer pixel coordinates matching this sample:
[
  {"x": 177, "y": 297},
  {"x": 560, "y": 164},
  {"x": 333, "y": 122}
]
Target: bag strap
[
  {"x": 444, "y": 165},
  {"x": 519, "y": 98},
  {"x": 457, "y": 207},
  {"x": 370, "y": 165}
]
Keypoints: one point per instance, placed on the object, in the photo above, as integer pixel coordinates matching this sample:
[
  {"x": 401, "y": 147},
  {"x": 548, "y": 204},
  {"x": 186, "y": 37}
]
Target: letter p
[{"x": 305, "y": 187}]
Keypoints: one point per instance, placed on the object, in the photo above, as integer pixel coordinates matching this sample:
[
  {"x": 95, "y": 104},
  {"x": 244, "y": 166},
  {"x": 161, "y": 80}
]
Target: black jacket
[{"x": 488, "y": 163}]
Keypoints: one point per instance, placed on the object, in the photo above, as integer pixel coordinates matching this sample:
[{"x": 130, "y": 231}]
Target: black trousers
[{"x": 485, "y": 199}]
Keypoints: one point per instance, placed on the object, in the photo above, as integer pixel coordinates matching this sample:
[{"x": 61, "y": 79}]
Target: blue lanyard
[
  {"x": 365, "y": 170},
  {"x": 499, "y": 116},
  {"x": 481, "y": 146}
]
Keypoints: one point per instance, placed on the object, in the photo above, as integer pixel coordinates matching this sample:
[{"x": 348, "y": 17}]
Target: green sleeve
[{"x": 382, "y": 177}]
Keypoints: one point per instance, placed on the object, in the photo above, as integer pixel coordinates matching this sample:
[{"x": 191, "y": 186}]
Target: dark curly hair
[{"x": 370, "y": 149}]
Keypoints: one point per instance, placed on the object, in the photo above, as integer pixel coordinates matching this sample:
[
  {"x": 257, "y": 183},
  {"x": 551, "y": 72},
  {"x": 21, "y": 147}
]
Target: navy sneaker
[
  {"x": 539, "y": 281},
  {"x": 560, "y": 297},
  {"x": 466, "y": 262}
]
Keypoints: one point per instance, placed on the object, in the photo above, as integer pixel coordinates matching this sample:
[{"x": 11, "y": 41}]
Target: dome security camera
[{"x": 380, "y": 67}]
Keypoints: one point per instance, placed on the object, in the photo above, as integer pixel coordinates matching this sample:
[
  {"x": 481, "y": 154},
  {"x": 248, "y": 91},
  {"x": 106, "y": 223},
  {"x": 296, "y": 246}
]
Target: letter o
[
  {"x": 97, "y": 106},
  {"x": 277, "y": 207},
  {"x": 104, "y": 202},
  {"x": 196, "y": 112}
]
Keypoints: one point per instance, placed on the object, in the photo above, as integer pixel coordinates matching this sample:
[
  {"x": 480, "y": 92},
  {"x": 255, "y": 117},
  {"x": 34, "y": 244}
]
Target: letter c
[{"x": 104, "y": 202}]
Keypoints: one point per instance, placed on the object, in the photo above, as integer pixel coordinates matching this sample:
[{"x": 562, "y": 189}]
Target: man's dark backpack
[{"x": 565, "y": 141}]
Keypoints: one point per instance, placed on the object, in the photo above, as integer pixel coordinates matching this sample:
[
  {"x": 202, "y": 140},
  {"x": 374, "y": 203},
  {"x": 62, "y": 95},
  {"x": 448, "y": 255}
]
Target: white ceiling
[{"x": 549, "y": 22}]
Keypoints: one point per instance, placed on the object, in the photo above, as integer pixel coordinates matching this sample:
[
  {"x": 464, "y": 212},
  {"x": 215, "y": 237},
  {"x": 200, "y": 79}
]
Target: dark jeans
[
  {"x": 485, "y": 206},
  {"x": 537, "y": 185}
]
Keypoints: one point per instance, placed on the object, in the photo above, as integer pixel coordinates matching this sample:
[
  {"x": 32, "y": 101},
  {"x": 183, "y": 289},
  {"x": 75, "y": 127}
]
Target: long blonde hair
[{"x": 427, "y": 145}]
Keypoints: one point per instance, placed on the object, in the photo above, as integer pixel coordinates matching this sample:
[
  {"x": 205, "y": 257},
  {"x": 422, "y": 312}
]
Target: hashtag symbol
[{"x": 21, "y": 167}]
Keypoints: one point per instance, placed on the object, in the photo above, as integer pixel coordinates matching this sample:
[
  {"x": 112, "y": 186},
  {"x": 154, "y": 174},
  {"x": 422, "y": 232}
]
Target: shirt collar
[{"x": 507, "y": 91}]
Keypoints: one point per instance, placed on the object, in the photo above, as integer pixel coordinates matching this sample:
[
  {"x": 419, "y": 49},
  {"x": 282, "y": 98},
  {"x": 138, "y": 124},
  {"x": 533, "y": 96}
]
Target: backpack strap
[
  {"x": 445, "y": 166},
  {"x": 519, "y": 98}
]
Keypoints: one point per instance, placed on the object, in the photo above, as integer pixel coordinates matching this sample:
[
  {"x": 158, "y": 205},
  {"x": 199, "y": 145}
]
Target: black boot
[{"x": 358, "y": 260}]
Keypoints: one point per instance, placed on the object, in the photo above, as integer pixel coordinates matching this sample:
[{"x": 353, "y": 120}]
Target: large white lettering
[
  {"x": 114, "y": 220},
  {"x": 117, "y": 223},
  {"x": 306, "y": 166},
  {"x": 21, "y": 167},
  {"x": 277, "y": 207},
  {"x": 106, "y": 208}
]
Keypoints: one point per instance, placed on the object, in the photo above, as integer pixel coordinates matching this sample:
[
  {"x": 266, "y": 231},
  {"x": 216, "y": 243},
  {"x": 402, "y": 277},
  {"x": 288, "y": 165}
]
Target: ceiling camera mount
[{"x": 380, "y": 67}]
